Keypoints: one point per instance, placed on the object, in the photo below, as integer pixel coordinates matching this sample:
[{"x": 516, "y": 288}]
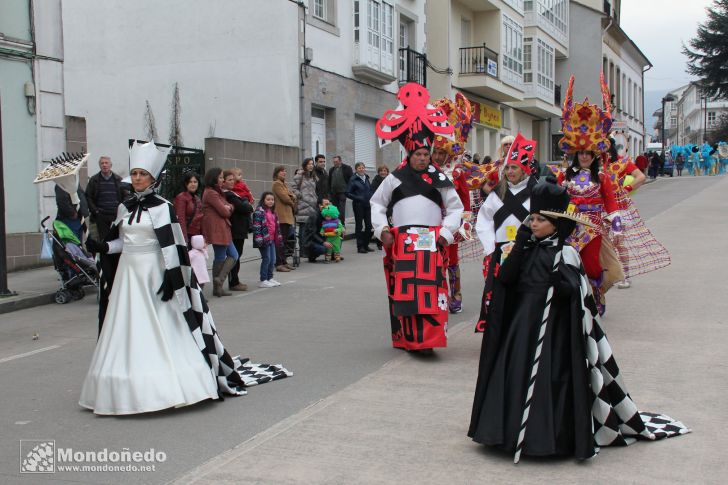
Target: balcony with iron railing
[
  {"x": 479, "y": 60},
  {"x": 482, "y": 72},
  {"x": 412, "y": 67}
]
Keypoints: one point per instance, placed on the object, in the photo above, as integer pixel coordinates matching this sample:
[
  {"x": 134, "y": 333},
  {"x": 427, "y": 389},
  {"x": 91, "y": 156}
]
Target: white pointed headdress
[{"x": 147, "y": 157}]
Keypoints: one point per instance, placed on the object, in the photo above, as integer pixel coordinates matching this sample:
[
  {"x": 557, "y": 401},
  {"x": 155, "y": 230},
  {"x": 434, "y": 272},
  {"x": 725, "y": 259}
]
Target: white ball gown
[{"x": 146, "y": 359}]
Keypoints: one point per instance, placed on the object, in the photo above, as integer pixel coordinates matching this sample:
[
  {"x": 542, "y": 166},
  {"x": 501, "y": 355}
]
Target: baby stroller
[{"x": 74, "y": 266}]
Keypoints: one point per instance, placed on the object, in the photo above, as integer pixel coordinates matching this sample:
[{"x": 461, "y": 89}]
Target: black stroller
[{"x": 75, "y": 267}]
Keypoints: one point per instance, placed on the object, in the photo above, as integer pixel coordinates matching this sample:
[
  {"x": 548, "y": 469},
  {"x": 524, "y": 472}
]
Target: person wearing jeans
[
  {"x": 216, "y": 212},
  {"x": 266, "y": 237},
  {"x": 359, "y": 191}
]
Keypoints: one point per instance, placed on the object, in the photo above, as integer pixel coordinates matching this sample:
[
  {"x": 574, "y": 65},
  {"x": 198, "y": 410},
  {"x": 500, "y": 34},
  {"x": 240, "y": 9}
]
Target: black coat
[
  {"x": 346, "y": 170},
  {"x": 560, "y": 420},
  {"x": 358, "y": 190},
  {"x": 240, "y": 218},
  {"x": 92, "y": 191},
  {"x": 322, "y": 183},
  {"x": 376, "y": 182},
  {"x": 311, "y": 233},
  {"x": 66, "y": 209}
]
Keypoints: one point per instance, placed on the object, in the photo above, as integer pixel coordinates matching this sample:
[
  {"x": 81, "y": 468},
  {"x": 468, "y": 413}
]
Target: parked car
[{"x": 668, "y": 165}]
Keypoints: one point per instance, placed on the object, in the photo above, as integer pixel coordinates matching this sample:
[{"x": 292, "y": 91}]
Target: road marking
[{"x": 32, "y": 352}]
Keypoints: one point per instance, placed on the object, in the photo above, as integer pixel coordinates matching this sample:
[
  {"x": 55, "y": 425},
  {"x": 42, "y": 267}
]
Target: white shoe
[
  {"x": 624, "y": 284},
  {"x": 266, "y": 284},
  {"x": 274, "y": 282}
]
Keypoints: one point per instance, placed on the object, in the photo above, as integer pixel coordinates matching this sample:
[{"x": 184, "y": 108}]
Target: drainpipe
[
  {"x": 644, "y": 141},
  {"x": 4, "y": 291},
  {"x": 302, "y": 65}
]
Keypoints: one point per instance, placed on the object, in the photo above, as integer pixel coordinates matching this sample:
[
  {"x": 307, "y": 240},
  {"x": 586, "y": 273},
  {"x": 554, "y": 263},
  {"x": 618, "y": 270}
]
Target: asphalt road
[{"x": 327, "y": 323}]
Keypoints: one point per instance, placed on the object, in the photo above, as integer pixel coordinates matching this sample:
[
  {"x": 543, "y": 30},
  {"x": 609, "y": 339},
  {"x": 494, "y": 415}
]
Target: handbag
[{"x": 46, "y": 248}]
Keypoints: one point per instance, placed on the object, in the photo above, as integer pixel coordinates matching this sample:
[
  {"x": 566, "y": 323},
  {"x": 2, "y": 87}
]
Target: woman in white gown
[{"x": 158, "y": 347}]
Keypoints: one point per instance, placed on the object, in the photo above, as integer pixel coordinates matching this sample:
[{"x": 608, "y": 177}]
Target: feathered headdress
[
  {"x": 586, "y": 126},
  {"x": 415, "y": 122},
  {"x": 460, "y": 116}
]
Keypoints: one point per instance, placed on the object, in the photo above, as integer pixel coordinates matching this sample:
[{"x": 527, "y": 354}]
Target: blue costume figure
[
  {"x": 708, "y": 165},
  {"x": 722, "y": 156},
  {"x": 693, "y": 159}
]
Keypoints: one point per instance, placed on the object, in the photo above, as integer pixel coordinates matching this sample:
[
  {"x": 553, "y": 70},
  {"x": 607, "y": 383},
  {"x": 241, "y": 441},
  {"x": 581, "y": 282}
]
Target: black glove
[
  {"x": 97, "y": 247},
  {"x": 167, "y": 288},
  {"x": 523, "y": 235}
]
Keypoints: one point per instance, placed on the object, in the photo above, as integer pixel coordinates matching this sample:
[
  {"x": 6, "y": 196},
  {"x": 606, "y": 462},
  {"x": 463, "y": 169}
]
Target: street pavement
[{"x": 358, "y": 411}]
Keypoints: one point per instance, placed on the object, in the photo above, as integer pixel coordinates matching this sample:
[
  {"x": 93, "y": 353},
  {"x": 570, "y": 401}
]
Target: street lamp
[{"x": 667, "y": 99}]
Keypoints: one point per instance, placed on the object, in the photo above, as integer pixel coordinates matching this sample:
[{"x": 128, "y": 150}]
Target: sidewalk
[
  {"x": 36, "y": 287},
  {"x": 407, "y": 422}
]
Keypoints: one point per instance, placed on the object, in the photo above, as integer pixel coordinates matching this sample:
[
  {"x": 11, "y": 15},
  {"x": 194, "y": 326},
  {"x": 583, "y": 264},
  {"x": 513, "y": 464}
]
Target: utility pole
[{"x": 4, "y": 291}]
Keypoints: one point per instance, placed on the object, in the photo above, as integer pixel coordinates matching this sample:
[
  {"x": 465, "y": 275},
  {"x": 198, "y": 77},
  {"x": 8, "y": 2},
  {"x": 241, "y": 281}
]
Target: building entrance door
[{"x": 318, "y": 132}]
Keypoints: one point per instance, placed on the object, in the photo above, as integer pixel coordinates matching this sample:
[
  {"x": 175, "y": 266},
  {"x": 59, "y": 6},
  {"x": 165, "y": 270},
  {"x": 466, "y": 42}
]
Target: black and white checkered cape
[
  {"x": 615, "y": 417},
  {"x": 233, "y": 374}
]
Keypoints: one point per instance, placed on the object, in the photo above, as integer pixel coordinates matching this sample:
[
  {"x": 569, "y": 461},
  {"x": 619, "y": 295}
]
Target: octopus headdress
[
  {"x": 415, "y": 122},
  {"x": 586, "y": 126}
]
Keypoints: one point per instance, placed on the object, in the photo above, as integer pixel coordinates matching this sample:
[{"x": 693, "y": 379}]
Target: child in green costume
[{"x": 333, "y": 231}]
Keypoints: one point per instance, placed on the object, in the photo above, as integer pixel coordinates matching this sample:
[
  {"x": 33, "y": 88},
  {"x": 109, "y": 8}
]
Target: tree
[
  {"x": 708, "y": 58},
  {"x": 150, "y": 127},
  {"x": 720, "y": 132},
  {"x": 175, "y": 128}
]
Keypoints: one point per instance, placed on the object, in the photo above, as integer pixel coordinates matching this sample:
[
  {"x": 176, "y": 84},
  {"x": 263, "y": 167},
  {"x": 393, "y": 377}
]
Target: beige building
[
  {"x": 513, "y": 60},
  {"x": 502, "y": 56}
]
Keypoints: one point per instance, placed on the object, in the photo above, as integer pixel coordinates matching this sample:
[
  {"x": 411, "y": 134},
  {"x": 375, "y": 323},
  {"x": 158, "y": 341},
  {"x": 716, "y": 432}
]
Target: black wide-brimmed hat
[{"x": 551, "y": 200}]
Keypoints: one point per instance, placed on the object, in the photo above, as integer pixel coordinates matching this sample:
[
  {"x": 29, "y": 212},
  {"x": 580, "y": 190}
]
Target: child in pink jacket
[{"x": 198, "y": 259}]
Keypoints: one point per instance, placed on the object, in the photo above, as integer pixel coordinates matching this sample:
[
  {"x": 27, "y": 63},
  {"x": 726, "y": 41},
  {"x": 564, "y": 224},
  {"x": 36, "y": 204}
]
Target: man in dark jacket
[
  {"x": 359, "y": 191},
  {"x": 311, "y": 239},
  {"x": 104, "y": 193},
  {"x": 339, "y": 176},
  {"x": 322, "y": 178}
]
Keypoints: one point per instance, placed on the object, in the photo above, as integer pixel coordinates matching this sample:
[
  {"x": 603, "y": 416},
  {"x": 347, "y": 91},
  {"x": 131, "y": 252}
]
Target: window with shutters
[{"x": 374, "y": 40}]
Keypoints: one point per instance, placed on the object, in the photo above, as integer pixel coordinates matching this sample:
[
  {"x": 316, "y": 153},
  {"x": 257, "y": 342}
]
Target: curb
[{"x": 24, "y": 302}]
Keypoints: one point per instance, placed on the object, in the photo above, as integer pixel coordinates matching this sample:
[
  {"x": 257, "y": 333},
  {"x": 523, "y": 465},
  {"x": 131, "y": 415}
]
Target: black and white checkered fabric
[
  {"x": 616, "y": 419},
  {"x": 233, "y": 374}
]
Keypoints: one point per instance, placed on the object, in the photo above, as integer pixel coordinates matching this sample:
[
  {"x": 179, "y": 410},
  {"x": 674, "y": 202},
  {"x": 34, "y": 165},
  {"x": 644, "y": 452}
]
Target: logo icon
[{"x": 37, "y": 456}]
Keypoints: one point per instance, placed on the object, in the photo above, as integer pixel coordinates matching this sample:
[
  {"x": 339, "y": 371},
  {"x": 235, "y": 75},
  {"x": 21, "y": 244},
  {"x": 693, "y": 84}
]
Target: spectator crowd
[{"x": 301, "y": 216}]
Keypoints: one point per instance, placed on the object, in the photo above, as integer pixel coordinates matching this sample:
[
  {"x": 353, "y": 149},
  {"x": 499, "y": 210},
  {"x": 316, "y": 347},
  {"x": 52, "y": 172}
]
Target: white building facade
[
  {"x": 236, "y": 65},
  {"x": 33, "y": 118},
  {"x": 598, "y": 44},
  {"x": 501, "y": 55},
  {"x": 694, "y": 115},
  {"x": 356, "y": 55}
]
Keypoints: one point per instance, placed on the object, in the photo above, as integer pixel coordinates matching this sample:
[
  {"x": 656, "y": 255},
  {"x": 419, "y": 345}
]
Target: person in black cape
[{"x": 544, "y": 340}]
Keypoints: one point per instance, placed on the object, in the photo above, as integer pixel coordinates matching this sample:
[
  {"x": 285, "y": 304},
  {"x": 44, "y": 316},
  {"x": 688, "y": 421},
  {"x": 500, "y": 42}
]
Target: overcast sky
[{"x": 659, "y": 28}]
